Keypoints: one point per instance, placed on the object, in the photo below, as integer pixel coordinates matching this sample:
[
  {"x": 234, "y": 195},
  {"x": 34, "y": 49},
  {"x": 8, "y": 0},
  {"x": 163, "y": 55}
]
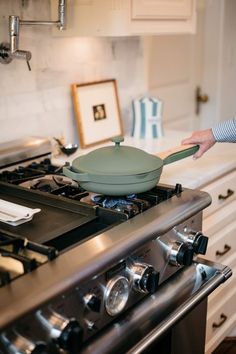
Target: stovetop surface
[
  {"x": 69, "y": 214},
  {"x": 41, "y": 182},
  {"x": 45, "y": 177},
  {"x": 70, "y": 219}
]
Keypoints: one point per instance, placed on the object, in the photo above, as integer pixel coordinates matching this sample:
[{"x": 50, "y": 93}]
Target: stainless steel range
[{"x": 94, "y": 274}]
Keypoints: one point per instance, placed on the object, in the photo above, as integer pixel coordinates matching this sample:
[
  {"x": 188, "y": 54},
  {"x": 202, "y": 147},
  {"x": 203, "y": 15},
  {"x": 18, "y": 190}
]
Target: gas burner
[{"x": 130, "y": 205}]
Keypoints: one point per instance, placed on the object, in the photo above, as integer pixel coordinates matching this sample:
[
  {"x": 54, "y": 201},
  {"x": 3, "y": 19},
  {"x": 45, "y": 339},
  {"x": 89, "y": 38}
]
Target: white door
[{"x": 177, "y": 65}]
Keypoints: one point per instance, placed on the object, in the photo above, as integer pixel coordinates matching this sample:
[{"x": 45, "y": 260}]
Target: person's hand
[{"x": 204, "y": 138}]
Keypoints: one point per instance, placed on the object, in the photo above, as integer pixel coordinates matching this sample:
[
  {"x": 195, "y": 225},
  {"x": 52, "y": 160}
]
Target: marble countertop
[{"x": 220, "y": 159}]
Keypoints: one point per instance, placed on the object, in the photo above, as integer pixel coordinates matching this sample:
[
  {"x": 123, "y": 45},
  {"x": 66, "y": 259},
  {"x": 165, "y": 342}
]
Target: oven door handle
[{"x": 181, "y": 311}]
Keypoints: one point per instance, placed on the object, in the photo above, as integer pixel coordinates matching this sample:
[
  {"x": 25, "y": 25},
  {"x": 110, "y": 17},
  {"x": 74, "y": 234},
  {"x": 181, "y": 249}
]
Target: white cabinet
[
  {"x": 219, "y": 223},
  {"x": 127, "y": 17},
  {"x": 159, "y": 9}
]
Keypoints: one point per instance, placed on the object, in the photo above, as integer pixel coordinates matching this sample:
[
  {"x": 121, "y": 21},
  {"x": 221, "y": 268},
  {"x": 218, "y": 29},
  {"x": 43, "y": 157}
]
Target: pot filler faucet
[{"x": 10, "y": 51}]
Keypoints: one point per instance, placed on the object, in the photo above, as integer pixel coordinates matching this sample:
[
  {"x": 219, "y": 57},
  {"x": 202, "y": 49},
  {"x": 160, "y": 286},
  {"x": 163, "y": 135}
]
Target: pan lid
[{"x": 117, "y": 160}]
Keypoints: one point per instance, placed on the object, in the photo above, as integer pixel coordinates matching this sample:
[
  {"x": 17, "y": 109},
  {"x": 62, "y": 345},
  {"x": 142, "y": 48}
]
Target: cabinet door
[
  {"x": 161, "y": 9},
  {"x": 126, "y": 17}
]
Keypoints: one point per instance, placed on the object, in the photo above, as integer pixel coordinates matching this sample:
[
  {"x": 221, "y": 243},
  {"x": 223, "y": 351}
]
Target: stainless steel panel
[
  {"x": 96, "y": 255},
  {"x": 157, "y": 314},
  {"x": 15, "y": 151}
]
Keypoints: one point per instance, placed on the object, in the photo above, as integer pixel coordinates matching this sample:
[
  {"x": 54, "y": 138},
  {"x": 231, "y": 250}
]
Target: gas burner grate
[
  {"x": 29, "y": 172},
  {"x": 20, "y": 175},
  {"x": 19, "y": 256},
  {"x": 57, "y": 185},
  {"x": 49, "y": 183},
  {"x": 134, "y": 204},
  {"x": 46, "y": 166},
  {"x": 71, "y": 192}
]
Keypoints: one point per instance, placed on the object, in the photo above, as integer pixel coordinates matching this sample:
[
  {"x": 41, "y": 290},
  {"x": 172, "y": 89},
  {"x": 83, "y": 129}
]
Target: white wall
[{"x": 38, "y": 102}]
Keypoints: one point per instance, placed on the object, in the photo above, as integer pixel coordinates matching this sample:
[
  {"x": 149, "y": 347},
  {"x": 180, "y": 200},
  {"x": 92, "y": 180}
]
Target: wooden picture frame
[{"x": 97, "y": 111}]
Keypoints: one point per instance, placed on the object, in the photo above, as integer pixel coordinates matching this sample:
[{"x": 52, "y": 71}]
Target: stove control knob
[
  {"x": 15, "y": 343},
  {"x": 181, "y": 254},
  {"x": 145, "y": 278},
  {"x": 195, "y": 238},
  {"x": 67, "y": 333},
  {"x": 199, "y": 241},
  {"x": 92, "y": 302}
]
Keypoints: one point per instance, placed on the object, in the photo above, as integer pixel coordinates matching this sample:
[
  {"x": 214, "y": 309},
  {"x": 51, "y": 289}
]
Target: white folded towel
[{"x": 15, "y": 214}]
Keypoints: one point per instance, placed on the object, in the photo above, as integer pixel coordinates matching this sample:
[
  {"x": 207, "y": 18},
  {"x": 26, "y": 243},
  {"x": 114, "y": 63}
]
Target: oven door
[{"x": 170, "y": 321}]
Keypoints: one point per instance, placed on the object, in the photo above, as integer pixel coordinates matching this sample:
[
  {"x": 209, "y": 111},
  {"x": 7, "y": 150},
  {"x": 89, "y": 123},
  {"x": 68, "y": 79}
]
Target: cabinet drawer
[
  {"x": 217, "y": 221},
  {"x": 222, "y": 191},
  {"x": 224, "y": 289},
  {"x": 222, "y": 244},
  {"x": 220, "y": 322}
]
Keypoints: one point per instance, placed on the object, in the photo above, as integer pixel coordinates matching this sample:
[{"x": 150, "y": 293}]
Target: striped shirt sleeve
[{"x": 225, "y": 131}]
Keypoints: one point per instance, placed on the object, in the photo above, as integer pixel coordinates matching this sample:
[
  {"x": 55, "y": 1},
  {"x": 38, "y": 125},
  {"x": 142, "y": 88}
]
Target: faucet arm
[
  {"x": 14, "y": 30},
  {"x": 9, "y": 51},
  {"x": 60, "y": 23},
  {"x": 22, "y": 54}
]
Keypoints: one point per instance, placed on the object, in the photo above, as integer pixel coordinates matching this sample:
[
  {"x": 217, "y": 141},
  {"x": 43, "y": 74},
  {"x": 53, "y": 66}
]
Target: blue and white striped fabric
[
  {"x": 225, "y": 132},
  {"x": 147, "y": 118}
]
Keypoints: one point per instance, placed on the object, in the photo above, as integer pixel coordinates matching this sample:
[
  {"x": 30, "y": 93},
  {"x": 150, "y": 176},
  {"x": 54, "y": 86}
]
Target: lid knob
[{"x": 117, "y": 140}]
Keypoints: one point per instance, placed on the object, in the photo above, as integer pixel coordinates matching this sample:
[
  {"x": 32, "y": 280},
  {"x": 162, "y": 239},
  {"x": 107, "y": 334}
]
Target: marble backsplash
[{"x": 38, "y": 102}]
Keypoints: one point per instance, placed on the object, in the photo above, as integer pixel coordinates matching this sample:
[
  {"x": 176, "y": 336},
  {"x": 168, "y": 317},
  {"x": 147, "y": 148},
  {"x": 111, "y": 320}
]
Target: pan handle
[
  {"x": 177, "y": 153},
  {"x": 77, "y": 176}
]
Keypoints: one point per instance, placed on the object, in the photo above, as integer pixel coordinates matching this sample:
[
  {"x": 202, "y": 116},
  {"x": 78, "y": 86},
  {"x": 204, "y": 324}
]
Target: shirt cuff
[{"x": 225, "y": 131}]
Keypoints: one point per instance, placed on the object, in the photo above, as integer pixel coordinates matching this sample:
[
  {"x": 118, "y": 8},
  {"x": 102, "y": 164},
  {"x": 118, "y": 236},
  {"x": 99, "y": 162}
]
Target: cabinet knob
[
  {"x": 227, "y": 248},
  {"x": 223, "y": 318},
  {"x": 230, "y": 192}
]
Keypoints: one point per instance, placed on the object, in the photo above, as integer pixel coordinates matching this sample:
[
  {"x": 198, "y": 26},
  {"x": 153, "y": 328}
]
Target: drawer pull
[
  {"x": 223, "y": 197},
  {"x": 219, "y": 324},
  {"x": 227, "y": 248}
]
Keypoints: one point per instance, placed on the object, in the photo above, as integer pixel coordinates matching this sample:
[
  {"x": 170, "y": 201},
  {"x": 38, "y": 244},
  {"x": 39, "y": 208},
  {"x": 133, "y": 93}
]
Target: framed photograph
[{"x": 97, "y": 111}]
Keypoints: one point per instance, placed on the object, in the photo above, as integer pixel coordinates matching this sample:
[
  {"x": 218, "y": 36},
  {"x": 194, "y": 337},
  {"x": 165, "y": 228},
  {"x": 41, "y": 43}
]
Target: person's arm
[
  {"x": 204, "y": 138},
  {"x": 222, "y": 132}
]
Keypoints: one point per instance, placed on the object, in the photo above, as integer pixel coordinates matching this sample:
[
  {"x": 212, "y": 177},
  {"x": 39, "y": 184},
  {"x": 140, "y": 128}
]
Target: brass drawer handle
[
  {"x": 229, "y": 193},
  {"x": 227, "y": 248},
  {"x": 219, "y": 324}
]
